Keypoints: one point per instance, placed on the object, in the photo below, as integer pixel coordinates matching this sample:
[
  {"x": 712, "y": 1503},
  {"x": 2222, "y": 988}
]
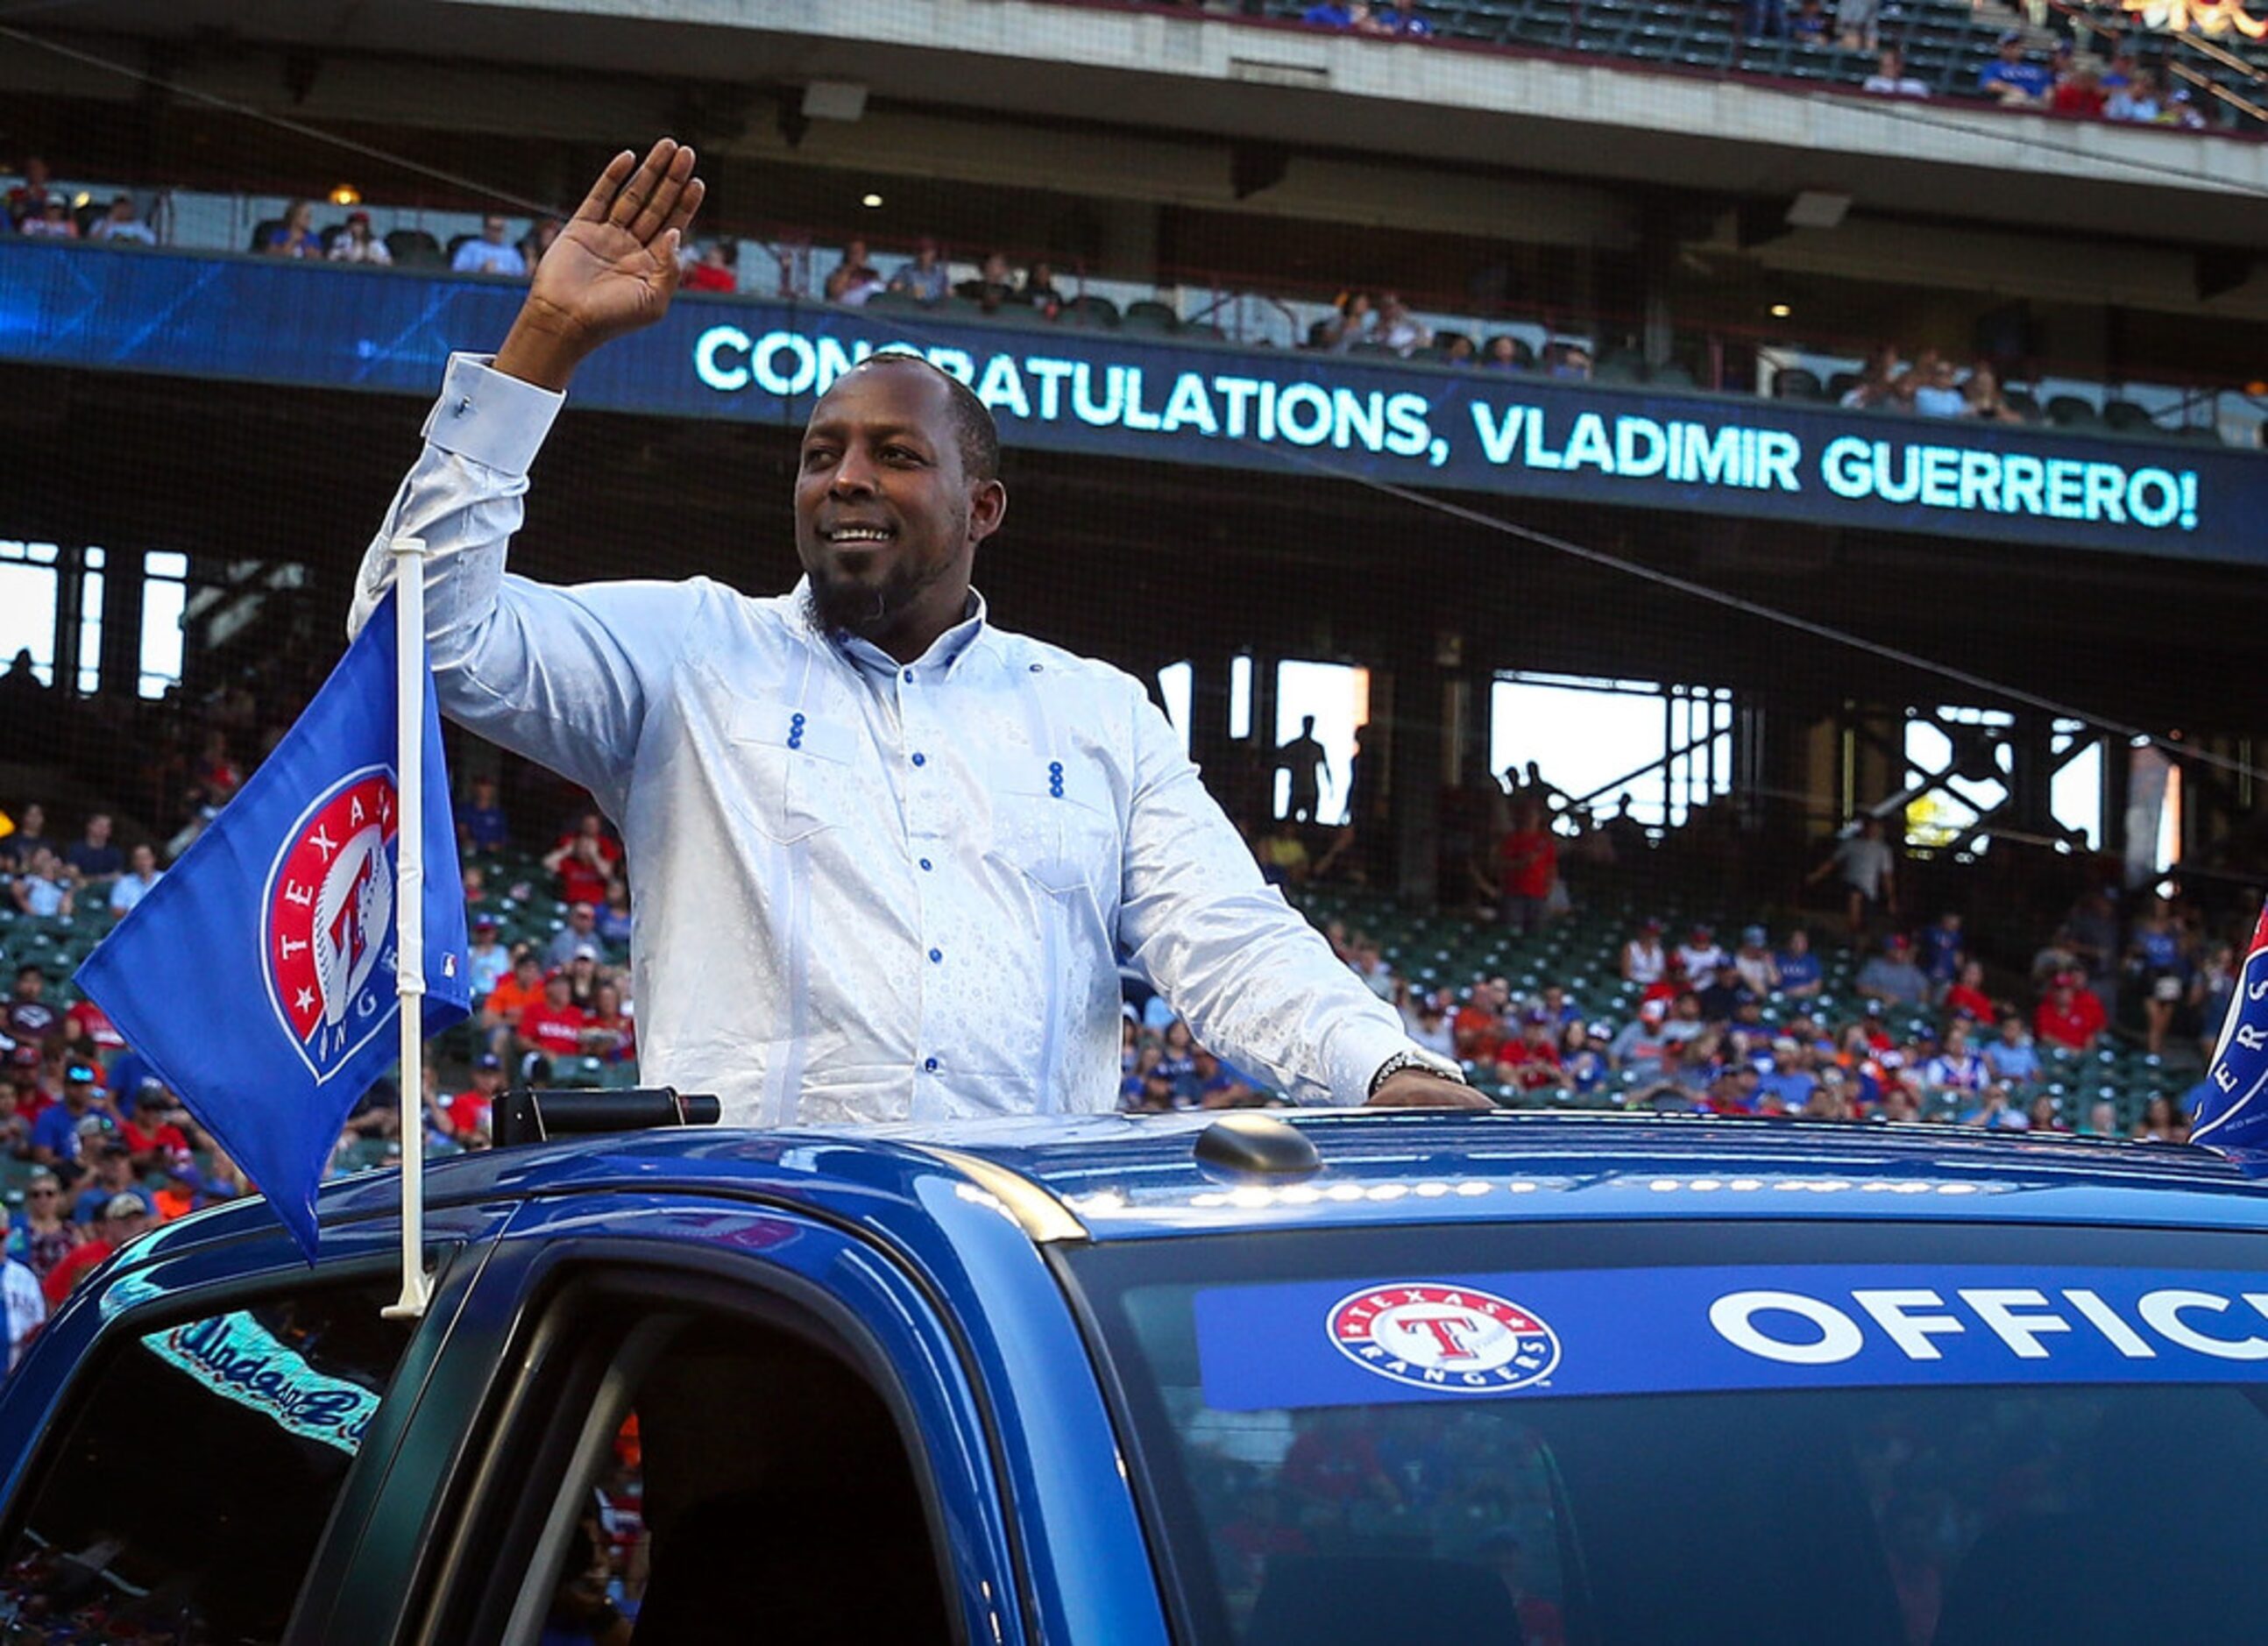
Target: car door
[
  {"x": 191, "y": 1440},
  {"x": 689, "y": 1419}
]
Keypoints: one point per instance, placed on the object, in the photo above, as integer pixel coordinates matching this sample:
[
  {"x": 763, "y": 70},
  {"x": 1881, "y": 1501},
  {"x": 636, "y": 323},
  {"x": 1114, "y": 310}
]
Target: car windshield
[{"x": 1910, "y": 1437}]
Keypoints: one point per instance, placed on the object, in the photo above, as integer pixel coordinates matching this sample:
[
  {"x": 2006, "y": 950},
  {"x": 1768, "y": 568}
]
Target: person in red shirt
[
  {"x": 122, "y": 1220},
  {"x": 587, "y": 862},
  {"x": 1967, "y": 997},
  {"x": 156, "y": 1135},
  {"x": 1531, "y": 1062},
  {"x": 1527, "y": 863},
  {"x": 713, "y": 272},
  {"x": 2070, "y": 1015},
  {"x": 553, "y": 1026},
  {"x": 88, "y": 1024},
  {"x": 1478, "y": 1025},
  {"x": 471, "y": 1112}
]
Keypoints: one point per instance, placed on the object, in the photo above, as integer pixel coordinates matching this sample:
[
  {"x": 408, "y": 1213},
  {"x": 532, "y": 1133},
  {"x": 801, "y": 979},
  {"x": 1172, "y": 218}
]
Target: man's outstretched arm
[{"x": 559, "y": 675}]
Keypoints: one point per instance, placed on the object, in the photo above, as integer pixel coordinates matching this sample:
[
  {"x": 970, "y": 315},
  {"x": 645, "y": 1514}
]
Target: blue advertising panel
[
  {"x": 1664, "y": 1331},
  {"x": 1065, "y": 389}
]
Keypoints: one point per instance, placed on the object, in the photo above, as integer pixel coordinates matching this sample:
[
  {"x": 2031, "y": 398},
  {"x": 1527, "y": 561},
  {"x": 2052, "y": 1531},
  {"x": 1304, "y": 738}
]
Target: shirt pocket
[
  {"x": 1053, "y": 820},
  {"x": 803, "y": 771}
]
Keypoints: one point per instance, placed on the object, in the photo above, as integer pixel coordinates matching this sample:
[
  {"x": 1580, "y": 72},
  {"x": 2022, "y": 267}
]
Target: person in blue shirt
[
  {"x": 1800, "y": 972},
  {"x": 113, "y": 1175},
  {"x": 2011, "y": 1058},
  {"x": 2012, "y": 77},
  {"x": 61, "y": 1136},
  {"x": 481, "y": 825},
  {"x": 1941, "y": 948}
]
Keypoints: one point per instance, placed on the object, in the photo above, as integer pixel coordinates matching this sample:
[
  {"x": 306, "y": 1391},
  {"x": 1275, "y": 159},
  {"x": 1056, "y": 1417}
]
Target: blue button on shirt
[{"x": 762, "y": 771}]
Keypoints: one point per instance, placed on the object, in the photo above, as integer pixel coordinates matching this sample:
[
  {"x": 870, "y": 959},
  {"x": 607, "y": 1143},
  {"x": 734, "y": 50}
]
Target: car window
[
  {"x": 188, "y": 1485},
  {"x": 1901, "y": 1444},
  {"x": 717, "y": 1472}
]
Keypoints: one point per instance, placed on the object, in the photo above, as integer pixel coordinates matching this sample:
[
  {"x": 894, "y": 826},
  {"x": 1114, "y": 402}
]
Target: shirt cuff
[
  {"x": 490, "y": 418},
  {"x": 1363, "y": 1050}
]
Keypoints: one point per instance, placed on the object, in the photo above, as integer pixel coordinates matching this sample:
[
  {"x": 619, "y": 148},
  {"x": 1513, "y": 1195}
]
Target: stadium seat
[
  {"x": 2069, "y": 411},
  {"x": 262, "y": 229},
  {"x": 1673, "y": 375},
  {"x": 1149, "y": 315},
  {"x": 1794, "y": 383},
  {"x": 1098, "y": 313},
  {"x": 2128, "y": 418}
]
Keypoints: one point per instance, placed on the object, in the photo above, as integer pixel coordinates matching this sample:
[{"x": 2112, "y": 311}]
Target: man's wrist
[
  {"x": 1417, "y": 1060},
  {"x": 542, "y": 348}
]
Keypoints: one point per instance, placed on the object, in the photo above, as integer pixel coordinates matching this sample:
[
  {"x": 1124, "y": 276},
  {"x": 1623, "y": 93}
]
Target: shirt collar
[{"x": 944, "y": 652}]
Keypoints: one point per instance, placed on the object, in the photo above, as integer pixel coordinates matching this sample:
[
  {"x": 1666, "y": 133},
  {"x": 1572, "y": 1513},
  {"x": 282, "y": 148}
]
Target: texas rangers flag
[
  {"x": 2232, "y": 1110},
  {"x": 257, "y": 976}
]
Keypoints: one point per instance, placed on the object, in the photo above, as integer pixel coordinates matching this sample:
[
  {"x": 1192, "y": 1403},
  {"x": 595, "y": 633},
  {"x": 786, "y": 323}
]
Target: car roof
[{"x": 1121, "y": 1178}]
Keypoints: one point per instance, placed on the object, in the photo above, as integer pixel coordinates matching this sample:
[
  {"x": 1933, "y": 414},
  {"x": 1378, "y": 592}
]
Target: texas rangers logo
[
  {"x": 1453, "y": 1339},
  {"x": 329, "y": 920}
]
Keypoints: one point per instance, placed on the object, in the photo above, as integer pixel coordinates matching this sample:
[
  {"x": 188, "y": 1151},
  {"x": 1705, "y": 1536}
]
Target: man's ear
[{"x": 987, "y": 507}]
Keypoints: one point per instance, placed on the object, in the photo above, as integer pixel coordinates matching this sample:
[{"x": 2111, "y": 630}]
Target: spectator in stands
[
  {"x": 32, "y": 1023},
  {"x": 1568, "y": 361},
  {"x": 1892, "y": 978},
  {"x": 2158, "y": 967},
  {"x": 1810, "y": 25},
  {"x": 295, "y": 236},
  {"x": 471, "y": 1112},
  {"x": 2069, "y": 1015},
  {"x": 1349, "y": 325},
  {"x": 42, "y": 1235},
  {"x": 1340, "y": 14},
  {"x": 1801, "y": 974},
  {"x": 1965, "y": 997},
  {"x": 2135, "y": 102},
  {"x": 114, "y": 1175},
  {"x": 853, "y": 280},
  {"x": 1399, "y": 329},
  {"x": 1039, "y": 291},
  {"x": 141, "y": 873},
  {"x": 55, "y": 220},
  {"x": 2181, "y": 110},
  {"x": 587, "y": 862},
  {"x": 1878, "y": 376},
  {"x": 16, "y": 850},
  {"x": 2079, "y": 89},
  {"x": 2011, "y": 1057},
  {"x": 1937, "y": 389},
  {"x": 124, "y": 1218},
  {"x": 487, "y": 961},
  {"x": 612, "y": 1035},
  {"x": 1994, "y": 1112},
  {"x": 1531, "y": 1061},
  {"x": 1763, "y": 19},
  {"x": 490, "y": 252},
  {"x": 2161, "y": 1122},
  {"x": 1400, "y": 18},
  {"x": 538, "y": 241},
  {"x": 94, "y": 861},
  {"x": 482, "y": 826},
  {"x": 714, "y": 270},
  {"x": 356, "y": 244},
  {"x": 29, "y": 198},
  {"x": 1527, "y": 862},
  {"x": 925, "y": 278},
  {"x": 1986, "y": 402},
  {"x": 500, "y": 1012},
  {"x": 615, "y": 918},
  {"x": 42, "y": 888},
  {"x": 1889, "y": 79},
  {"x": 64, "y": 1136},
  {"x": 552, "y": 1027},
  {"x": 1866, "y": 868},
  {"x": 1503, "y": 354},
  {"x": 1759, "y": 972},
  {"x": 1455, "y": 349},
  {"x": 2012, "y": 78},
  {"x": 120, "y": 226},
  {"x": 1857, "y": 24},
  {"x": 992, "y": 285},
  {"x": 2212, "y": 990},
  {"x": 1643, "y": 961},
  {"x": 1700, "y": 956}
]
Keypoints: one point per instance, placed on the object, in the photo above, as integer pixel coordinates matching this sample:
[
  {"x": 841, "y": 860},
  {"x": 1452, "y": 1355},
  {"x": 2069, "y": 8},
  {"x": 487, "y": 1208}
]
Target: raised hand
[{"x": 613, "y": 268}]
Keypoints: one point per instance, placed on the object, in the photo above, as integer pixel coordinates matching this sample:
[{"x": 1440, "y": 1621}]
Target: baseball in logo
[
  {"x": 1453, "y": 1339},
  {"x": 329, "y": 919}
]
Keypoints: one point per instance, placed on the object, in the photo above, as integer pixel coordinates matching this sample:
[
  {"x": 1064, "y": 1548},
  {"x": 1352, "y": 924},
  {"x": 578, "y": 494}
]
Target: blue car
[{"x": 1108, "y": 1382}]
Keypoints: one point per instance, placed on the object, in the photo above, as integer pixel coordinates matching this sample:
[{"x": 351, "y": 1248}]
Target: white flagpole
[{"x": 409, "y": 908}]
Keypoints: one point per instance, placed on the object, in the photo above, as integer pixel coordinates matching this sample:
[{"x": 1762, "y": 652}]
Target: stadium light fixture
[
  {"x": 834, "y": 100},
  {"x": 1817, "y": 208},
  {"x": 1779, "y": 311},
  {"x": 870, "y": 202},
  {"x": 346, "y": 194}
]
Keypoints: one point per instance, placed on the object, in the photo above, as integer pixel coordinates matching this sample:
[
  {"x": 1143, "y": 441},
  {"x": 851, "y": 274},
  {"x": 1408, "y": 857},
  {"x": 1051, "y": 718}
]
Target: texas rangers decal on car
[
  {"x": 1447, "y": 1338},
  {"x": 328, "y": 916}
]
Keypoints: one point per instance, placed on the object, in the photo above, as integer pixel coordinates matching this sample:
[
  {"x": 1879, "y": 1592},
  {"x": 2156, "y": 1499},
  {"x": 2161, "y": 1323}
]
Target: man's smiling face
[{"x": 887, "y": 516}]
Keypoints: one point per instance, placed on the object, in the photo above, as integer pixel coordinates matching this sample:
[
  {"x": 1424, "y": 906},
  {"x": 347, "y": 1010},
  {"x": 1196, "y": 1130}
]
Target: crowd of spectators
[
  {"x": 1930, "y": 385},
  {"x": 2074, "y": 82}
]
